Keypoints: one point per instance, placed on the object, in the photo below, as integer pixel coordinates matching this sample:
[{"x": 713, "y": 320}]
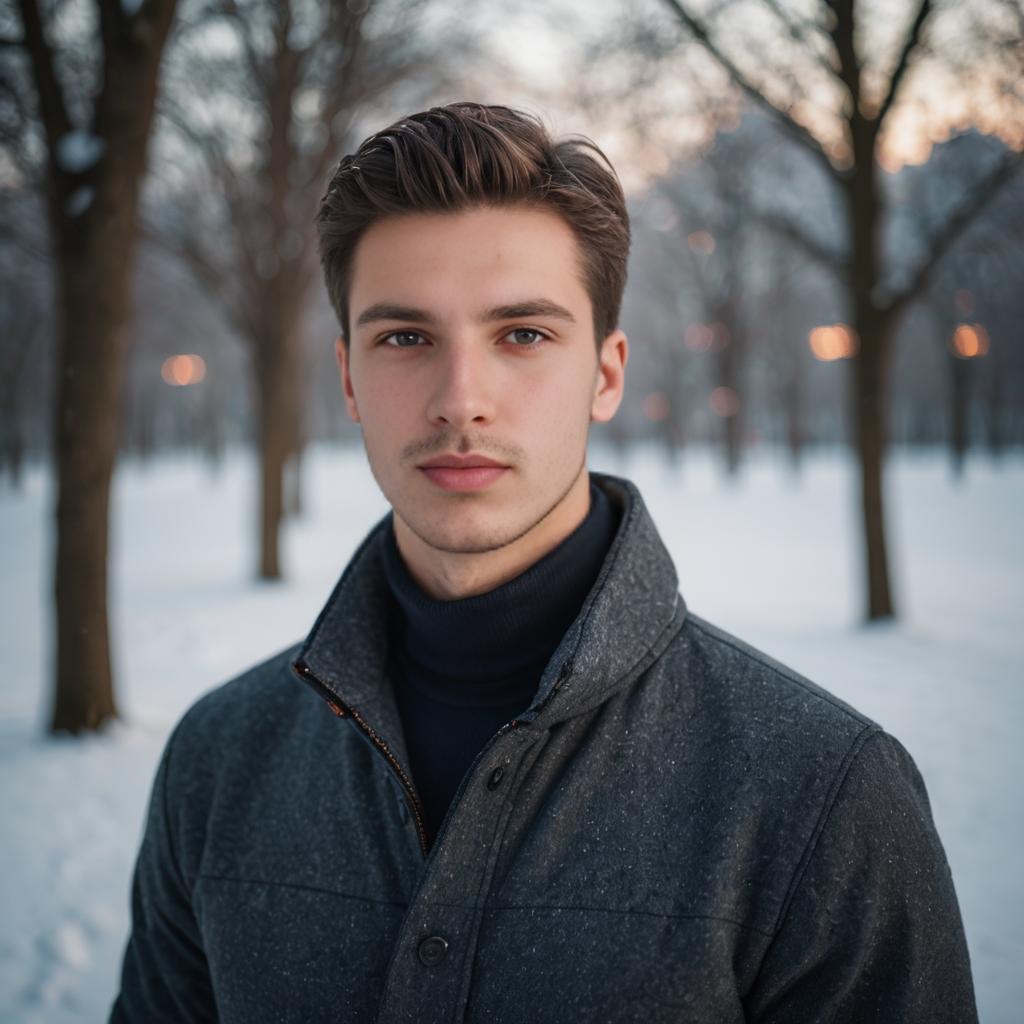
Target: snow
[
  {"x": 771, "y": 557},
  {"x": 78, "y": 150}
]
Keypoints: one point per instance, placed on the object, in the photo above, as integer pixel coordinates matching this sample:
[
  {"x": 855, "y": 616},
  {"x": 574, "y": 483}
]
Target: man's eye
[
  {"x": 525, "y": 337},
  {"x": 402, "y": 339}
]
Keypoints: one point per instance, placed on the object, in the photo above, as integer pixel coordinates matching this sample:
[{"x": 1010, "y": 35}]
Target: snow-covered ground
[{"x": 770, "y": 557}]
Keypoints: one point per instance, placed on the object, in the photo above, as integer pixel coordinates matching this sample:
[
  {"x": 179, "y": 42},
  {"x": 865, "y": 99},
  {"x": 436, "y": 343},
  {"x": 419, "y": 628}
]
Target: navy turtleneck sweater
[{"x": 464, "y": 668}]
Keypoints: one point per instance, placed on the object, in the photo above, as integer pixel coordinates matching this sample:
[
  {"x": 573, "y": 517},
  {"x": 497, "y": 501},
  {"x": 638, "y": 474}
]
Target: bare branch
[
  {"x": 842, "y": 34},
  {"x": 802, "y": 31},
  {"x": 56, "y": 122},
  {"x": 700, "y": 32},
  {"x": 254, "y": 61},
  {"x": 945, "y": 237},
  {"x": 899, "y": 72},
  {"x": 812, "y": 247},
  {"x": 185, "y": 247}
]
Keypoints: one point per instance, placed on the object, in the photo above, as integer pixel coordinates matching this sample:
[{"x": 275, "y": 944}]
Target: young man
[{"x": 547, "y": 791}]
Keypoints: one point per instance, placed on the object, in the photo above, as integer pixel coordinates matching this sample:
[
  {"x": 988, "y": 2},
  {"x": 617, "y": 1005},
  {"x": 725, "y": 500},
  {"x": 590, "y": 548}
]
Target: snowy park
[{"x": 771, "y": 556}]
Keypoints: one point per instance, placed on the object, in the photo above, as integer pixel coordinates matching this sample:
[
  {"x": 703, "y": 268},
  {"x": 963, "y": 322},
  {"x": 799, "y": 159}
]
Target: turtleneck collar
[{"x": 480, "y": 641}]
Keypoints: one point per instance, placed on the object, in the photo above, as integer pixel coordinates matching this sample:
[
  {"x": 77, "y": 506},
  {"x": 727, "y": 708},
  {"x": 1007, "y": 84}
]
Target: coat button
[
  {"x": 495, "y": 779},
  {"x": 433, "y": 950}
]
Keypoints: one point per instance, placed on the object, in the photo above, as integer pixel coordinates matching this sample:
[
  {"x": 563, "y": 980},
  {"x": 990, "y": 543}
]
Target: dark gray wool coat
[{"x": 678, "y": 829}]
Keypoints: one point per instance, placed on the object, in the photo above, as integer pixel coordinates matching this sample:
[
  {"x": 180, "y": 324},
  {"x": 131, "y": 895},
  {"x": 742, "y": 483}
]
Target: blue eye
[{"x": 403, "y": 339}]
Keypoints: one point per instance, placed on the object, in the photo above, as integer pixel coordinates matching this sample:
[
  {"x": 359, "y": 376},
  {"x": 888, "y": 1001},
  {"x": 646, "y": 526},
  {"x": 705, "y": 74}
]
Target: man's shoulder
[
  {"x": 746, "y": 688},
  {"x": 245, "y": 709}
]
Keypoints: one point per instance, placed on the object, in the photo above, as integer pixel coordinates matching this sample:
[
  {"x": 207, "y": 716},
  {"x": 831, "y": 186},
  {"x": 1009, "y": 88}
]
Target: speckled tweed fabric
[{"x": 679, "y": 829}]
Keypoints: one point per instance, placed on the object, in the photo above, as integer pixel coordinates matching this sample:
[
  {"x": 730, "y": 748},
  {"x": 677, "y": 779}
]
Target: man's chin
[{"x": 454, "y": 538}]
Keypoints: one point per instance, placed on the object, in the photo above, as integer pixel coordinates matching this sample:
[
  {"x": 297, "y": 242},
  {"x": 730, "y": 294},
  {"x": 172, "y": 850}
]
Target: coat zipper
[{"x": 344, "y": 711}]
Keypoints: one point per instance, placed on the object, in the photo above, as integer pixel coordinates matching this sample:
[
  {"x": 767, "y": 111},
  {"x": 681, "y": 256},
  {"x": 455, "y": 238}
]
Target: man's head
[
  {"x": 474, "y": 354},
  {"x": 467, "y": 155}
]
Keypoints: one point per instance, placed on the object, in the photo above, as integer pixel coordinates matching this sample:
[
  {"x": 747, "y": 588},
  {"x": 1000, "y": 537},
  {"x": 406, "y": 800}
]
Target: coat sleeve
[
  {"x": 871, "y": 931},
  {"x": 164, "y": 975}
]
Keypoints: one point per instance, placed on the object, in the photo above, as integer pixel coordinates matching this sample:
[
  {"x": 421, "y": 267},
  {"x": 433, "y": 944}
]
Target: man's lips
[
  {"x": 461, "y": 462},
  {"x": 462, "y": 472}
]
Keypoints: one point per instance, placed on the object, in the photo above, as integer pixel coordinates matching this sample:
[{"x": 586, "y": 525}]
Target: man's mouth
[{"x": 462, "y": 472}]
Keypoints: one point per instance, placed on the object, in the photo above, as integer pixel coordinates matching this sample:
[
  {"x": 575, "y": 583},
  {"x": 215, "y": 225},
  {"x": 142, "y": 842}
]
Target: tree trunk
[
  {"x": 793, "y": 404},
  {"x": 958, "y": 414},
  {"x": 873, "y": 330},
  {"x": 277, "y": 374},
  {"x": 868, "y": 404},
  {"x": 730, "y": 360},
  {"x": 93, "y": 300},
  {"x": 92, "y": 204}
]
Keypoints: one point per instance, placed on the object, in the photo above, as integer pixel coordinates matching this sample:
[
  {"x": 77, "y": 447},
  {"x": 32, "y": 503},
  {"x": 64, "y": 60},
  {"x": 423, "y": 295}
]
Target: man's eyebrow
[
  {"x": 524, "y": 310},
  {"x": 393, "y": 311},
  {"x": 511, "y": 311}
]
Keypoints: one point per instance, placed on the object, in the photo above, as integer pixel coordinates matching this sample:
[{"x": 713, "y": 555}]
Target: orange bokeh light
[
  {"x": 180, "y": 371},
  {"x": 832, "y": 341},
  {"x": 970, "y": 341}
]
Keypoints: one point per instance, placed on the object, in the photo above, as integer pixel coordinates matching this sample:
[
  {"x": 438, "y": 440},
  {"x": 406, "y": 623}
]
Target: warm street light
[
  {"x": 833, "y": 341},
  {"x": 179, "y": 371},
  {"x": 969, "y": 341}
]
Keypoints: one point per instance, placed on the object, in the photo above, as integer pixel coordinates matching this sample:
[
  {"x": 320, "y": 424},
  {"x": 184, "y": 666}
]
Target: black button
[
  {"x": 433, "y": 950},
  {"x": 495, "y": 779}
]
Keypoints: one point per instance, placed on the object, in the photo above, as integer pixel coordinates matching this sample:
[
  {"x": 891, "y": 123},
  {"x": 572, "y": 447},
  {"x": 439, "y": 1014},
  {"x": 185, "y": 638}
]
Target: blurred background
[{"x": 824, "y": 405}]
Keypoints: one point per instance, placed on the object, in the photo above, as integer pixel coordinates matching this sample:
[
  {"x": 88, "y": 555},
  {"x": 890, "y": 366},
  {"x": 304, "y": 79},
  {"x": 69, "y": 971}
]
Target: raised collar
[
  {"x": 629, "y": 616},
  {"x": 480, "y": 645}
]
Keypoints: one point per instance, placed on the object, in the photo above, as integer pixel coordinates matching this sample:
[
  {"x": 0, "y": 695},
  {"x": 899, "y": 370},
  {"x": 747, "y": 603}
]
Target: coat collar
[{"x": 630, "y": 615}]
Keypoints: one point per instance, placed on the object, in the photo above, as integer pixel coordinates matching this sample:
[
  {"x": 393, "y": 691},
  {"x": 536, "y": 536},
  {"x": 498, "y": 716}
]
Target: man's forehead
[{"x": 482, "y": 264}]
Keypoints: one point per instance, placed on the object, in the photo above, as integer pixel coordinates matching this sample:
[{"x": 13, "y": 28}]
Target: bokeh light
[
  {"x": 969, "y": 341},
  {"x": 724, "y": 401},
  {"x": 180, "y": 371},
  {"x": 832, "y": 341}
]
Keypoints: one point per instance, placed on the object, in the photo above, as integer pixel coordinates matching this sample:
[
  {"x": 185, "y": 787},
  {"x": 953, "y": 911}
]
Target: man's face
[{"x": 473, "y": 369}]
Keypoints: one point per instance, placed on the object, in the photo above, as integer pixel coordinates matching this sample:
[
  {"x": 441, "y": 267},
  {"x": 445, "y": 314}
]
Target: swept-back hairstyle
[{"x": 466, "y": 155}]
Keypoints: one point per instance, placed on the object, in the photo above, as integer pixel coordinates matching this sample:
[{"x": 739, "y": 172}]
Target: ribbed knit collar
[{"x": 487, "y": 640}]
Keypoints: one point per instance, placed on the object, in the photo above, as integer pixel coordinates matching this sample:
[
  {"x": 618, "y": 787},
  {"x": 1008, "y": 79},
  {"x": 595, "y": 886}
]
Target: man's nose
[{"x": 463, "y": 393}]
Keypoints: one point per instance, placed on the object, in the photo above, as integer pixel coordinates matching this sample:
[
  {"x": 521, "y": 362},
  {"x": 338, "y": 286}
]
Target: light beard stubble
[
  {"x": 495, "y": 544},
  {"x": 445, "y": 441}
]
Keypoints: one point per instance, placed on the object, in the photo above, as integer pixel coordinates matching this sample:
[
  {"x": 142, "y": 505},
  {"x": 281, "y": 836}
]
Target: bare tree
[
  {"x": 272, "y": 113},
  {"x": 972, "y": 300},
  {"x": 820, "y": 52},
  {"x": 711, "y": 199},
  {"x": 94, "y": 161}
]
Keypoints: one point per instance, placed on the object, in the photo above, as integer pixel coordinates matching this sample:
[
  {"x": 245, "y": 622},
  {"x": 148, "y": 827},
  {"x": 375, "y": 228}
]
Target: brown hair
[{"x": 463, "y": 155}]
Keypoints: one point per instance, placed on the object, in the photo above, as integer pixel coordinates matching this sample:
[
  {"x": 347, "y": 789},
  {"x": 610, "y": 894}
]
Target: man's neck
[{"x": 448, "y": 576}]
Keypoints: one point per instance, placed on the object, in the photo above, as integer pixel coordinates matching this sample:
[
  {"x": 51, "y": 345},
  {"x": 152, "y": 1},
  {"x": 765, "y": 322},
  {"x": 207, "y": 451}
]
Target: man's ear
[
  {"x": 611, "y": 376},
  {"x": 341, "y": 355}
]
